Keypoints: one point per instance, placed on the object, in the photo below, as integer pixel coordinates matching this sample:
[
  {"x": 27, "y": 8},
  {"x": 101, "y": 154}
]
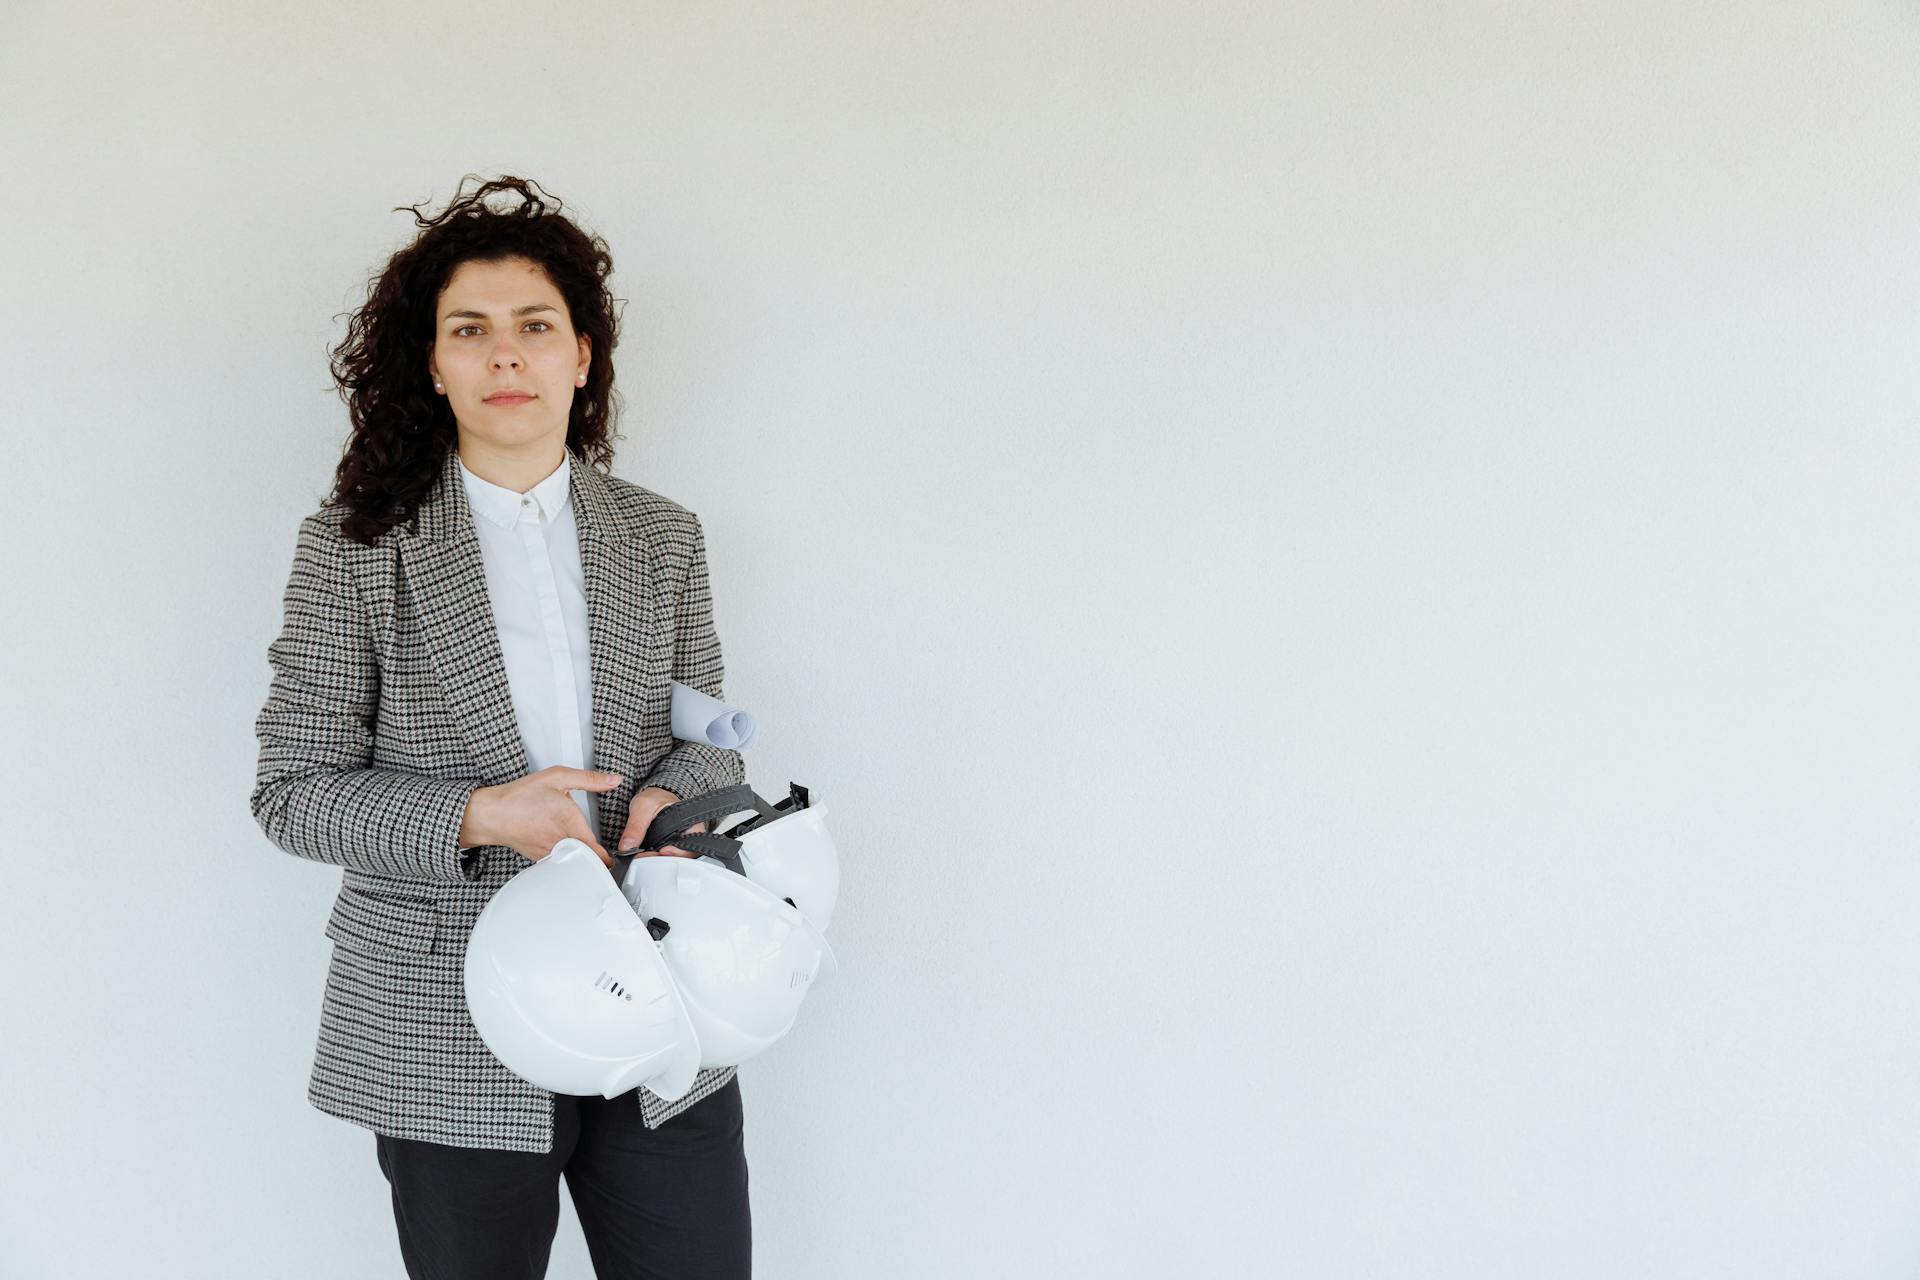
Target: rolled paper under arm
[{"x": 700, "y": 718}]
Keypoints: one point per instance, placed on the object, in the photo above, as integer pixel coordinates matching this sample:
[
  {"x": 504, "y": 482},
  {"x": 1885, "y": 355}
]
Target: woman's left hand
[{"x": 648, "y": 802}]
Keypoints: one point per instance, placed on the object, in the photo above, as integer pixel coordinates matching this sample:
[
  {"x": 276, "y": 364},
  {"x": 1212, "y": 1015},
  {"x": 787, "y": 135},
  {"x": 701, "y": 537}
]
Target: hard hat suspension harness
[{"x": 669, "y": 826}]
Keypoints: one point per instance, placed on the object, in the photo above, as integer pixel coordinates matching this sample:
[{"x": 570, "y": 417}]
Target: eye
[{"x": 544, "y": 326}]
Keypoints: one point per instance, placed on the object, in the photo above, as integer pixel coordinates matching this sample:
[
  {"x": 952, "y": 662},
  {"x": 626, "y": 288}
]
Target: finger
[
  {"x": 637, "y": 824},
  {"x": 639, "y": 817},
  {"x": 569, "y": 779},
  {"x": 578, "y": 830}
]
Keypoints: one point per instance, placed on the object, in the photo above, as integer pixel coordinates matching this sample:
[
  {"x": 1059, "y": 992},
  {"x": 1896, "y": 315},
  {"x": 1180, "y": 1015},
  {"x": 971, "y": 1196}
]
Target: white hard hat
[
  {"x": 567, "y": 986},
  {"x": 784, "y": 847},
  {"x": 742, "y": 958},
  {"x": 793, "y": 856}
]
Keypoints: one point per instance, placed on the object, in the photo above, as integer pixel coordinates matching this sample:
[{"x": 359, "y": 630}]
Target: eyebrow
[{"x": 519, "y": 311}]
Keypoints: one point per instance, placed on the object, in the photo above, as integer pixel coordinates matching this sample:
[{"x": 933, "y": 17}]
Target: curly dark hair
[{"x": 402, "y": 430}]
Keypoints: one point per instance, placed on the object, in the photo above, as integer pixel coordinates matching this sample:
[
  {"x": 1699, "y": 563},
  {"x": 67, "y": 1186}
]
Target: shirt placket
[{"x": 553, "y": 623}]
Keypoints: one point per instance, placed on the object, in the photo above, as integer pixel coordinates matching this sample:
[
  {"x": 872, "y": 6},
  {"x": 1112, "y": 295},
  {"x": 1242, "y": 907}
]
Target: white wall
[{"x": 1349, "y": 571}]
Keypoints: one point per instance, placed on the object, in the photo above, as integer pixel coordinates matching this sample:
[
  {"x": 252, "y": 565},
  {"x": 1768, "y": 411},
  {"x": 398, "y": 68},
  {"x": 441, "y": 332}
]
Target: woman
[{"x": 482, "y": 625}]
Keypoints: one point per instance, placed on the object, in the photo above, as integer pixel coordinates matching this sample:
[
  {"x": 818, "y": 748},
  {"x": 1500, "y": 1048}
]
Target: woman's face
[{"x": 501, "y": 326}]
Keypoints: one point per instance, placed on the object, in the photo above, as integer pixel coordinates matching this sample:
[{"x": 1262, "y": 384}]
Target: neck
[{"x": 518, "y": 468}]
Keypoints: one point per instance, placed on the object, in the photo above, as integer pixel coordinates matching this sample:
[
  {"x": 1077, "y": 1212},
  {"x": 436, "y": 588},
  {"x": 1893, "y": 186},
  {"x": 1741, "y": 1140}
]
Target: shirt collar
[{"x": 504, "y": 507}]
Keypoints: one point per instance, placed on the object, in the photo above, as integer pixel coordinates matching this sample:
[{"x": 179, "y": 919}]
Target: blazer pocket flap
[{"x": 374, "y": 922}]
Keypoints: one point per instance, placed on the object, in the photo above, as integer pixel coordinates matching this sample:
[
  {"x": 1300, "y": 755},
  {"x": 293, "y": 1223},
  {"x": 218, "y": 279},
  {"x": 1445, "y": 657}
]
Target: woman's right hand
[{"x": 532, "y": 814}]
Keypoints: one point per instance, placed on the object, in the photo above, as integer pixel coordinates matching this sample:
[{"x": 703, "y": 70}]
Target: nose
[{"x": 506, "y": 356}]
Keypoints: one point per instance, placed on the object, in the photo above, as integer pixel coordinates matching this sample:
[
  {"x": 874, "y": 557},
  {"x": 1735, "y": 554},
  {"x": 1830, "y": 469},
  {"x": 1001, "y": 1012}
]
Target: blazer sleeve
[
  {"x": 314, "y": 794},
  {"x": 694, "y": 768}
]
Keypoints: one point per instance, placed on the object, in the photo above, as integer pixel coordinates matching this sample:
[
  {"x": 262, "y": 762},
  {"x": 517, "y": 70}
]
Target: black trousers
[{"x": 654, "y": 1204}]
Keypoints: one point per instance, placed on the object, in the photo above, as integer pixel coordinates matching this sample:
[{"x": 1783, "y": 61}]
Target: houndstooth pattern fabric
[{"x": 388, "y": 708}]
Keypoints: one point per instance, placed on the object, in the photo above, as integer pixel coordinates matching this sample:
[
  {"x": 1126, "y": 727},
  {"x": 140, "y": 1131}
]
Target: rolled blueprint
[{"x": 700, "y": 718}]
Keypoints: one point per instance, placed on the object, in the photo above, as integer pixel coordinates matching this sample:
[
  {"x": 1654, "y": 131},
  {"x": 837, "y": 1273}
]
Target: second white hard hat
[
  {"x": 787, "y": 848},
  {"x": 741, "y": 958}
]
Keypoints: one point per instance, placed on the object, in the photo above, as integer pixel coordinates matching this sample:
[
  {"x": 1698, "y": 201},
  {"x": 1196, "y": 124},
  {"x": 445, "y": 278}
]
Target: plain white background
[{"x": 1348, "y": 571}]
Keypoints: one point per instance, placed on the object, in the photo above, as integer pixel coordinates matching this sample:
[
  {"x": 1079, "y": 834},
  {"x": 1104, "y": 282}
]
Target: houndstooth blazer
[{"x": 388, "y": 708}]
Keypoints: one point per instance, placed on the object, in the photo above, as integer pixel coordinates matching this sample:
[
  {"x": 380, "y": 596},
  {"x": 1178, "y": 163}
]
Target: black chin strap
[
  {"x": 669, "y": 826},
  {"x": 796, "y": 800}
]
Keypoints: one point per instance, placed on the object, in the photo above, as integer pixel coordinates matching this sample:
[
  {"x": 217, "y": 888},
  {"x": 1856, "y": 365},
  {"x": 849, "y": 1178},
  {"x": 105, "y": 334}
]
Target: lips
[{"x": 510, "y": 397}]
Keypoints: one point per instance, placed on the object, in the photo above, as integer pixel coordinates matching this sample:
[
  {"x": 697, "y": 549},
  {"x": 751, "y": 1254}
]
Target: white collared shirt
[{"x": 530, "y": 545}]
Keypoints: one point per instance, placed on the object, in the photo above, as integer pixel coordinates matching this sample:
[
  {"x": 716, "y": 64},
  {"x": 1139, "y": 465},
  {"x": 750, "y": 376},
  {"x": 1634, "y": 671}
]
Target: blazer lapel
[
  {"x": 623, "y": 614},
  {"x": 440, "y": 558}
]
